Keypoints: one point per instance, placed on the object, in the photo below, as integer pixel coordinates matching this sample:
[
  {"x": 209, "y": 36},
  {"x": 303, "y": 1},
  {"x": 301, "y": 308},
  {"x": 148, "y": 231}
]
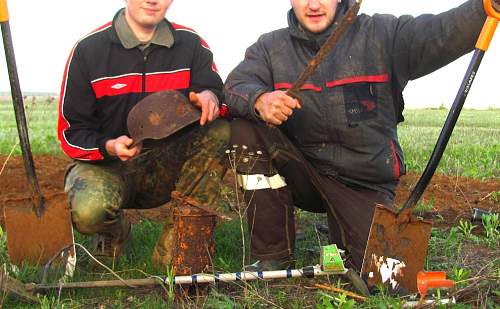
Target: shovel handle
[
  {"x": 482, "y": 45},
  {"x": 17, "y": 99},
  {"x": 493, "y": 12}
]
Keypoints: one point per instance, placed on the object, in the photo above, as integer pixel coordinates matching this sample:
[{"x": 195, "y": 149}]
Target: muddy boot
[
  {"x": 109, "y": 245},
  {"x": 164, "y": 249}
]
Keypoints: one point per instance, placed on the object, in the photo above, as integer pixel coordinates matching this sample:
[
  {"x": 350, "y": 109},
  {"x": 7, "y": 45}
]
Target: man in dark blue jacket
[
  {"x": 108, "y": 72},
  {"x": 335, "y": 148}
]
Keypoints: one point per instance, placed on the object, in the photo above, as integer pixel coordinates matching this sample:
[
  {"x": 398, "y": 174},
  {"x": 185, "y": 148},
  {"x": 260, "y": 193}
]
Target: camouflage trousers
[{"x": 191, "y": 161}]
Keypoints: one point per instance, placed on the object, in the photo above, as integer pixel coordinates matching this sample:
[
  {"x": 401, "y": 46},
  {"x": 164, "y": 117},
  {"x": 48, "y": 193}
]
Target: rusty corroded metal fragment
[
  {"x": 396, "y": 251},
  {"x": 159, "y": 115}
]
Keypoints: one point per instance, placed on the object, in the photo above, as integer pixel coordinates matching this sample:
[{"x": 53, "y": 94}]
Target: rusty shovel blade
[
  {"x": 395, "y": 251},
  {"x": 33, "y": 238},
  {"x": 160, "y": 114}
]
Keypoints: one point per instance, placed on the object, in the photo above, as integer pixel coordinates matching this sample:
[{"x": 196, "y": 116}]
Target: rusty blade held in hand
[
  {"x": 160, "y": 115},
  {"x": 327, "y": 47}
]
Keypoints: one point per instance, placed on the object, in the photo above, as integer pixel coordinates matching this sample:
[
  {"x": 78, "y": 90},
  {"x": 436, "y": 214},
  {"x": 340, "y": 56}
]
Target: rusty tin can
[{"x": 195, "y": 245}]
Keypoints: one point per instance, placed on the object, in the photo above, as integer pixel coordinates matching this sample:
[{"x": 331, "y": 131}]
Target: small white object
[{"x": 259, "y": 182}]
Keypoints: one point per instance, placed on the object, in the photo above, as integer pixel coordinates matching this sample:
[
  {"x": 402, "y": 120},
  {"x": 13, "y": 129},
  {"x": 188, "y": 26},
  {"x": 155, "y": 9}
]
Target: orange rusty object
[
  {"x": 36, "y": 239},
  {"x": 195, "y": 246},
  {"x": 432, "y": 280},
  {"x": 396, "y": 249}
]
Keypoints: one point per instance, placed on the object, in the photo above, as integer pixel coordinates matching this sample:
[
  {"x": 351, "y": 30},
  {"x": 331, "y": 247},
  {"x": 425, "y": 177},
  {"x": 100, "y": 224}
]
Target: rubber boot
[
  {"x": 165, "y": 246},
  {"x": 110, "y": 244}
]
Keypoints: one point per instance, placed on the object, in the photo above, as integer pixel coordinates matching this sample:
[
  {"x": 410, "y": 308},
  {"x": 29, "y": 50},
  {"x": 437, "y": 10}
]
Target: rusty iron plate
[
  {"x": 396, "y": 251},
  {"x": 160, "y": 114},
  {"x": 36, "y": 239}
]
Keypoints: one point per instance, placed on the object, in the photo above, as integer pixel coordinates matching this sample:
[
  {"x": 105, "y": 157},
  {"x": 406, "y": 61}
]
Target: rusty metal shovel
[
  {"x": 398, "y": 243},
  {"x": 37, "y": 228},
  {"x": 160, "y": 115}
]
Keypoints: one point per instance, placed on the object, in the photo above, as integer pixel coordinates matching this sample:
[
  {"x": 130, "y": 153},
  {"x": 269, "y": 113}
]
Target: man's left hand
[{"x": 208, "y": 103}]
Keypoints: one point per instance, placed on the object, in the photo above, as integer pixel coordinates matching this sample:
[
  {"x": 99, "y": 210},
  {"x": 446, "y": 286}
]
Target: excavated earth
[{"x": 452, "y": 198}]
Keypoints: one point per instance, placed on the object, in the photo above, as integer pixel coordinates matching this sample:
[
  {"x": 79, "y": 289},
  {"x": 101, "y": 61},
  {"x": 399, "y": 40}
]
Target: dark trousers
[{"x": 262, "y": 150}]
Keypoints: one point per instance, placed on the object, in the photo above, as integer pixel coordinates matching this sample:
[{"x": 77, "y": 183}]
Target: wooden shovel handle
[{"x": 17, "y": 99}]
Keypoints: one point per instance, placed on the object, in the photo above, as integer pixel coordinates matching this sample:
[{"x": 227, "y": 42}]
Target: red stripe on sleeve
[
  {"x": 304, "y": 87},
  {"x": 63, "y": 124},
  {"x": 359, "y": 79}
]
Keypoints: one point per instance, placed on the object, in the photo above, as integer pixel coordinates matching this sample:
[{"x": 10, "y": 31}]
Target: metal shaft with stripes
[{"x": 306, "y": 272}]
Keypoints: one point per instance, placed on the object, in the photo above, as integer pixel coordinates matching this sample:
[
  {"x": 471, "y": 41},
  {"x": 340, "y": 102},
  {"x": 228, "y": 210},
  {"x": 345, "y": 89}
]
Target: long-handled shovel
[
  {"x": 37, "y": 228},
  {"x": 397, "y": 244}
]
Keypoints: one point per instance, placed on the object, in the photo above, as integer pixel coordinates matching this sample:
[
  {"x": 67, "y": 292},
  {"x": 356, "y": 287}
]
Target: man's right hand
[
  {"x": 119, "y": 147},
  {"x": 275, "y": 107}
]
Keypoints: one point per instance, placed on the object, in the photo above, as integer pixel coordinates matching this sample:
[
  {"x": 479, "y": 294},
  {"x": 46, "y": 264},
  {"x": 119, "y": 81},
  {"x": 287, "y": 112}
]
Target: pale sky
[{"x": 44, "y": 32}]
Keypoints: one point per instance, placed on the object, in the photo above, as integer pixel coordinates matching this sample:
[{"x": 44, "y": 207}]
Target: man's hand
[
  {"x": 208, "y": 103},
  {"x": 119, "y": 147},
  {"x": 275, "y": 107}
]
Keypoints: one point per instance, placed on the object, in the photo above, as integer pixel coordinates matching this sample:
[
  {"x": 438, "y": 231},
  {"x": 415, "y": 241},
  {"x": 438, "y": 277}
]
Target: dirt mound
[{"x": 451, "y": 198}]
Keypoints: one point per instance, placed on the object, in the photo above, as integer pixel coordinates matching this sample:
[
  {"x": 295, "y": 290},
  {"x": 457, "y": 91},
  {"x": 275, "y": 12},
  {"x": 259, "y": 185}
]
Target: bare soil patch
[{"x": 453, "y": 197}]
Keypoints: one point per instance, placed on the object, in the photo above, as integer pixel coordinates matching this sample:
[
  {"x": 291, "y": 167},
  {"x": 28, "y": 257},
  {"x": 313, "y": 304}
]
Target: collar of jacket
[
  {"x": 122, "y": 34},
  {"x": 315, "y": 40}
]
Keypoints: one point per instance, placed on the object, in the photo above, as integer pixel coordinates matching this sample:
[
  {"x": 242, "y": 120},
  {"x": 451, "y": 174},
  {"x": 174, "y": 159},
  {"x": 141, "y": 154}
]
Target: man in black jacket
[
  {"x": 107, "y": 73},
  {"x": 335, "y": 148}
]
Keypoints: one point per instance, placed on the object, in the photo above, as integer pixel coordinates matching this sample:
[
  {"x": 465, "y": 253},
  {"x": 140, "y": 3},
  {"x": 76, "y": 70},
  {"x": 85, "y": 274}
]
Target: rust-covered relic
[
  {"x": 194, "y": 232},
  {"x": 160, "y": 114}
]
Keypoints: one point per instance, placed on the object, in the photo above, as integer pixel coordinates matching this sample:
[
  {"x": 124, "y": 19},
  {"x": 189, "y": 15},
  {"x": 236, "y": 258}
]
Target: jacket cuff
[
  {"x": 101, "y": 144},
  {"x": 252, "y": 113}
]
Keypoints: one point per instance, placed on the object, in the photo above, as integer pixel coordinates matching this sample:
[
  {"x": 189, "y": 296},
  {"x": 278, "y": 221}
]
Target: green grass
[
  {"x": 473, "y": 149},
  {"x": 42, "y": 123}
]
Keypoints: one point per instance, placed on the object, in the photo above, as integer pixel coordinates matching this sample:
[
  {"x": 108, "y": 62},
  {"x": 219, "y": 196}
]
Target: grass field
[{"x": 473, "y": 151}]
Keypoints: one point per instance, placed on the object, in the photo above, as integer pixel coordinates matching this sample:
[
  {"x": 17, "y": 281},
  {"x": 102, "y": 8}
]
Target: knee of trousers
[
  {"x": 243, "y": 132},
  {"x": 218, "y": 133},
  {"x": 90, "y": 212},
  {"x": 93, "y": 201},
  {"x": 249, "y": 153}
]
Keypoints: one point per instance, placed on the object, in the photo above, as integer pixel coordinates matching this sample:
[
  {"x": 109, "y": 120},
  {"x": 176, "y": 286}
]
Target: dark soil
[{"x": 452, "y": 198}]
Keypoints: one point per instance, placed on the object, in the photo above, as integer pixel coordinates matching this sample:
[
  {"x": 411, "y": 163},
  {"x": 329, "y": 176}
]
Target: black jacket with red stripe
[
  {"x": 103, "y": 81},
  {"x": 353, "y": 103}
]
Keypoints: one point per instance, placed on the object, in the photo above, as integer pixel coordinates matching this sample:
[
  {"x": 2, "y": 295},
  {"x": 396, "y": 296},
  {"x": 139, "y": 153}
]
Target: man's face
[
  {"x": 314, "y": 15},
  {"x": 146, "y": 13}
]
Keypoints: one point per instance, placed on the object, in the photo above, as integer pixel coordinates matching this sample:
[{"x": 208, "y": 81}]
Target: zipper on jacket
[{"x": 145, "y": 59}]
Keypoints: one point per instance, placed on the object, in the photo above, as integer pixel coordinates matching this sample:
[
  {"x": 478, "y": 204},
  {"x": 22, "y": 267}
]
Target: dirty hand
[
  {"x": 275, "y": 107},
  {"x": 119, "y": 147},
  {"x": 208, "y": 103}
]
